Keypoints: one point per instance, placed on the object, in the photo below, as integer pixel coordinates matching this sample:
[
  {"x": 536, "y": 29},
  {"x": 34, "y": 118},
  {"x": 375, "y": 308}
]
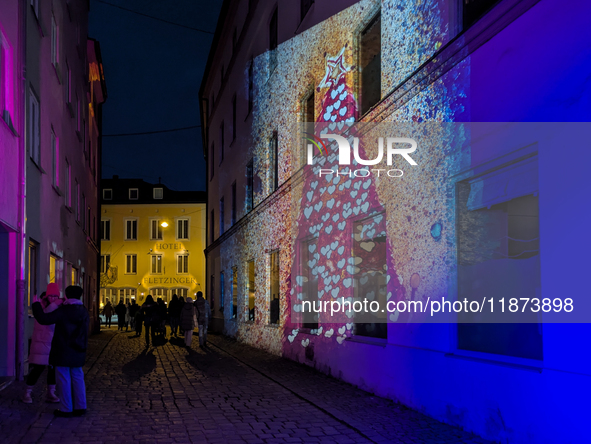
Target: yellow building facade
[{"x": 152, "y": 241}]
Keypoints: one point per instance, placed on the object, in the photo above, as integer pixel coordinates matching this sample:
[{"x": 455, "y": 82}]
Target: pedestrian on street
[
  {"x": 174, "y": 314},
  {"x": 203, "y": 314},
  {"x": 40, "y": 349},
  {"x": 120, "y": 310},
  {"x": 150, "y": 314},
  {"x": 181, "y": 305},
  {"x": 188, "y": 321},
  {"x": 138, "y": 320},
  {"x": 108, "y": 312},
  {"x": 127, "y": 317},
  {"x": 68, "y": 349},
  {"x": 133, "y": 309}
]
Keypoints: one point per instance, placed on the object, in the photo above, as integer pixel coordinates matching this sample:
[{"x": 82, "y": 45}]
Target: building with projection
[
  {"x": 152, "y": 241},
  {"x": 470, "y": 219},
  {"x": 52, "y": 88}
]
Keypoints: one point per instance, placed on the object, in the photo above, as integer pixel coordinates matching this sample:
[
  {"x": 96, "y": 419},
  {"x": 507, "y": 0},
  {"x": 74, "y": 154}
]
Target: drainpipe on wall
[{"x": 22, "y": 224}]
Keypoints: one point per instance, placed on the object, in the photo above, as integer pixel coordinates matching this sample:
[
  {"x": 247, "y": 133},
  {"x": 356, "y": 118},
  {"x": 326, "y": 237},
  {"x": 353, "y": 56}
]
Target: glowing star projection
[{"x": 339, "y": 103}]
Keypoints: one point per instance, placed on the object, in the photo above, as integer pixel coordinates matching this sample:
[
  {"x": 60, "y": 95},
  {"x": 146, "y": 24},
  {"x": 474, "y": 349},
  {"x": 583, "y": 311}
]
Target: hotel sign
[{"x": 169, "y": 280}]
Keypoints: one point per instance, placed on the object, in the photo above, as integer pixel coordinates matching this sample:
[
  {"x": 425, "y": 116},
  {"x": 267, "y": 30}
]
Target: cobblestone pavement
[{"x": 229, "y": 393}]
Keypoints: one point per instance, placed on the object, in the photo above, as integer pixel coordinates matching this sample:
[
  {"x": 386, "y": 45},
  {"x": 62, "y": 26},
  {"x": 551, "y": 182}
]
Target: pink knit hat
[{"x": 52, "y": 289}]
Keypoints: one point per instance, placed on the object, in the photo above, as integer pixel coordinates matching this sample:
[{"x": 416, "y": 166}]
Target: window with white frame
[
  {"x": 105, "y": 229},
  {"x": 131, "y": 263},
  {"x": 105, "y": 261},
  {"x": 155, "y": 229},
  {"x": 54, "y": 42},
  {"x": 180, "y": 292},
  {"x": 33, "y": 130},
  {"x": 182, "y": 229},
  {"x": 182, "y": 263},
  {"x": 108, "y": 194},
  {"x": 156, "y": 264},
  {"x": 126, "y": 295},
  {"x": 131, "y": 229},
  {"x": 158, "y": 193},
  {"x": 133, "y": 194}
]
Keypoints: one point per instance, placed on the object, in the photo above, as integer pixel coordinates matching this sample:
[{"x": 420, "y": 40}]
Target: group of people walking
[
  {"x": 183, "y": 315},
  {"x": 59, "y": 342}
]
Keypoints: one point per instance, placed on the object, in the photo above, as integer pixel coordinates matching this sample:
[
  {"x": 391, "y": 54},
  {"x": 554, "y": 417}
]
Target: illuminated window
[
  {"x": 180, "y": 292},
  {"x": 131, "y": 263},
  {"x": 182, "y": 264},
  {"x": 133, "y": 194},
  {"x": 156, "y": 264},
  {"x": 105, "y": 229},
  {"x": 74, "y": 276},
  {"x": 274, "y": 304},
  {"x": 107, "y": 194},
  {"x": 131, "y": 229},
  {"x": 182, "y": 229},
  {"x": 234, "y": 292},
  {"x": 55, "y": 269},
  {"x": 251, "y": 291},
  {"x": 33, "y": 130},
  {"x": 155, "y": 229},
  {"x": 370, "y": 50},
  {"x": 105, "y": 261},
  {"x": 126, "y": 295},
  {"x": 158, "y": 193}
]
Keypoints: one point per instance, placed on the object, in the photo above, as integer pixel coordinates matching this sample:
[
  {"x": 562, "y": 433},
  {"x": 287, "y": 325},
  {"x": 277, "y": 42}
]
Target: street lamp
[{"x": 164, "y": 224}]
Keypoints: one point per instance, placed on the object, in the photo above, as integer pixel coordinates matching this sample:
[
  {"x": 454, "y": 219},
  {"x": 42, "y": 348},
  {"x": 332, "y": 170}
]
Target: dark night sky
[{"x": 153, "y": 72}]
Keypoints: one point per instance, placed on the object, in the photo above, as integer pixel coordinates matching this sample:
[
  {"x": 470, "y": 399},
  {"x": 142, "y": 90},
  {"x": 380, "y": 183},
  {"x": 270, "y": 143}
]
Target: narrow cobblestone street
[{"x": 229, "y": 393}]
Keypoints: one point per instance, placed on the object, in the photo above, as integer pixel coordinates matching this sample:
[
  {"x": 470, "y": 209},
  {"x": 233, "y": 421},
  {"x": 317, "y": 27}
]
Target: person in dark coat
[
  {"x": 151, "y": 316},
  {"x": 108, "y": 312},
  {"x": 133, "y": 309},
  {"x": 188, "y": 320},
  {"x": 203, "y": 315},
  {"x": 174, "y": 314},
  {"x": 68, "y": 349},
  {"x": 120, "y": 310}
]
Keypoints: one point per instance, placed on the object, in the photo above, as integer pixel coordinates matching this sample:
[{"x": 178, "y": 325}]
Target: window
[
  {"x": 106, "y": 229},
  {"x": 158, "y": 193},
  {"x": 33, "y": 130},
  {"x": 274, "y": 305},
  {"x": 474, "y": 9},
  {"x": 250, "y": 85},
  {"x": 233, "y": 209},
  {"x": 182, "y": 229},
  {"x": 77, "y": 201},
  {"x": 212, "y": 291},
  {"x": 498, "y": 242},
  {"x": 32, "y": 276},
  {"x": 74, "y": 276},
  {"x": 273, "y": 42},
  {"x": 133, "y": 194},
  {"x": 106, "y": 295},
  {"x": 156, "y": 264},
  {"x": 370, "y": 273},
  {"x": 222, "y": 142},
  {"x": 249, "y": 186},
  {"x": 55, "y": 159},
  {"x": 54, "y": 42},
  {"x": 221, "y": 216},
  {"x": 370, "y": 64},
  {"x": 251, "y": 291},
  {"x": 68, "y": 87},
  {"x": 211, "y": 161},
  {"x": 222, "y": 292},
  {"x": 305, "y": 6},
  {"x": 155, "y": 229},
  {"x": 160, "y": 293},
  {"x": 108, "y": 194},
  {"x": 274, "y": 160},
  {"x": 234, "y": 118},
  {"x": 131, "y": 229},
  {"x": 309, "y": 255},
  {"x": 182, "y": 264},
  {"x": 126, "y": 295},
  {"x": 184, "y": 292},
  {"x": 131, "y": 263},
  {"x": 68, "y": 187},
  {"x": 234, "y": 292},
  {"x": 212, "y": 225}
]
